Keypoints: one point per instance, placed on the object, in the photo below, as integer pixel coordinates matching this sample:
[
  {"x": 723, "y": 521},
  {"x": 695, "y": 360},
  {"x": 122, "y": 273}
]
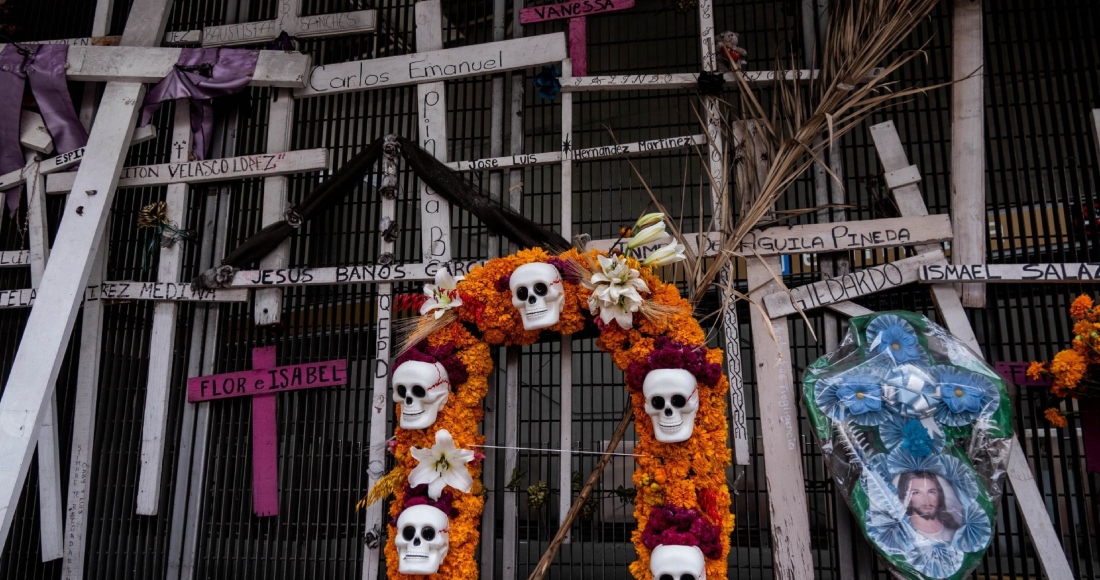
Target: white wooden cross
[
  {"x": 38, "y": 358},
  {"x": 178, "y": 175},
  {"x": 287, "y": 20},
  {"x": 36, "y": 137}
]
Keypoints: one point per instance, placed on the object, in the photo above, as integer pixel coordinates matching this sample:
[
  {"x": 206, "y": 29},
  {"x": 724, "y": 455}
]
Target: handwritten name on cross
[
  {"x": 262, "y": 383},
  {"x": 289, "y": 21},
  {"x": 577, "y": 12}
]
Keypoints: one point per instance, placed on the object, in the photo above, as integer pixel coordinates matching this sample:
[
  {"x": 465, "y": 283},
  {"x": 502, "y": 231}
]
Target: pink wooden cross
[
  {"x": 261, "y": 383},
  {"x": 575, "y": 11}
]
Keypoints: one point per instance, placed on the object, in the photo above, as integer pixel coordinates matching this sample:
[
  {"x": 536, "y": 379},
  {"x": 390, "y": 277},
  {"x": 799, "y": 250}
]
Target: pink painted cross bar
[
  {"x": 575, "y": 11},
  {"x": 261, "y": 383}
]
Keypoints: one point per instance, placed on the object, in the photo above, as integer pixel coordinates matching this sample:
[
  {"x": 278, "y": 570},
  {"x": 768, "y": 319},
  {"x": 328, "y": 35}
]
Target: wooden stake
[
  {"x": 968, "y": 211},
  {"x": 563, "y": 531}
]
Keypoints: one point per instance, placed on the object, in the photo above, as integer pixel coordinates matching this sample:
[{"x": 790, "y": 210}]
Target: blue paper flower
[
  {"x": 860, "y": 395},
  {"x": 976, "y": 529},
  {"x": 915, "y": 439},
  {"x": 892, "y": 435},
  {"x": 961, "y": 397},
  {"x": 547, "y": 82},
  {"x": 966, "y": 395},
  {"x": 862, "y": 408},
  {"x": 892, "y": 335}
]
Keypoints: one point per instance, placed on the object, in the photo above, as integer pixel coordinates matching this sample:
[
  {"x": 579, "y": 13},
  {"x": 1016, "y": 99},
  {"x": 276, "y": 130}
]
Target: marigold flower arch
[{"x": 682, "y": 497}]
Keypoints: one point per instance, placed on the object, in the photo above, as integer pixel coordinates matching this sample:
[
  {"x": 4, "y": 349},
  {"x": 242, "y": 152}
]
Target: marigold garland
[{"x": 674, "y": 482}]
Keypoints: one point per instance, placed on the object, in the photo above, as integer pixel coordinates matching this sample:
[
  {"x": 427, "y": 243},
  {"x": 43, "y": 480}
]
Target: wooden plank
[
  {"x": 434, "y": 65},
  {"x": 33, "y": 133},
  {"x": 287, "y": 20},
  {"x": 35, "y": 368},
  {"x": 208, "y": 170},
  {"x": 83, "y": 439},
  {"x": 15, "y": 258},
  {"x": 852, "y": 285},
  {"x": 162, "y": 338},
  {"x": 127, "y": 290},
  {"x": 565, "y": 374},
  {"x": 435, "y": 212},
  {"x": 66, "y": 160},
  {"x": 183, "y": 37},
  {"x": 968, "y": 144},
  {"x": 849, "y": 309},
  {"x": 88, "y": 365},
  {"x": 1069, "y": 273},
  {"x": 265, "y": 442},
  {"x": 50, "y": 502},
  {"x": 708, "y": 248},
  {"x": 269, "y": 303},
  {"x": 353, "y": 274},
  {"x": 132, "y": 64},
  {"x": 587, "y": 154},
  {"x": 72, "y": 158},
  {"x": 572, "y": 9},
  {"x": 832, "y": 237},
  {"x": 380, "y": 398},
  {"x": 265, "y": 380},
  {"x": 82, "y": 41},
  {"x": 790, "y": 528},
  {"x": 672, "y": 81},
  {"x": 339, "y": 24},
  {"x": 119, "y": 290},
  {"x": 1032, "y": 506}
]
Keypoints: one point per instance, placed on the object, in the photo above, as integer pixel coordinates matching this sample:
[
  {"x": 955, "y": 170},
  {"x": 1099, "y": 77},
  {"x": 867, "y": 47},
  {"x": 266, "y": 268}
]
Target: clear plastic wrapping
[{"x": 915, "y": 429}]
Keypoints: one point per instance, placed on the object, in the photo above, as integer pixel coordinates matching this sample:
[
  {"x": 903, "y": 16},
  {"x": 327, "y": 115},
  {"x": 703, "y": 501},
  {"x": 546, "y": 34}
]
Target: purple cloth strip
[
  {"x": 200, "y": 75},
  {"x": 1090, "y": 432},
  {"x": 47, "y": 75},
  {"x": 12, "y": 79},
  {"x": 44, "y": 65}
]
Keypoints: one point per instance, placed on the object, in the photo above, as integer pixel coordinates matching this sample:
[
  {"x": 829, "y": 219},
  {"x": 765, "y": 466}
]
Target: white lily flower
[
  {"x": 666, "y": 255},
  {"x": 648, "y": 235},
  {"x": 616, "y": 291},
  {"x": 647, "y": 219},
  {"x": 442, "y": 465},
  {"x": 443, "y": 295}
]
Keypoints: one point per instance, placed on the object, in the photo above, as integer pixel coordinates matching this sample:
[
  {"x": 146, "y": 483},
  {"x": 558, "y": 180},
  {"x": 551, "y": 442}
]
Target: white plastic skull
[
  {"x": 422, "y": 389},
  {"x": 423, "y": 539},
  {"x": 537, "y": 293},
  {"x": 677, "y": 563},
  {"x": 671, "y": 401}
]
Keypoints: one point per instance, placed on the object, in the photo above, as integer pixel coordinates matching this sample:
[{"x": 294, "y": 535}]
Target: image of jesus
[{"x": 923, "y": 497}]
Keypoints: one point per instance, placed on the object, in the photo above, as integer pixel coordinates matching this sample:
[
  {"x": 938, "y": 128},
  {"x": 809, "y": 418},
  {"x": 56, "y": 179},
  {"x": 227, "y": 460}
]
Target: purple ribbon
[
  {"x": 44, "y": 66},
  {"x": 200, "y": 75}
]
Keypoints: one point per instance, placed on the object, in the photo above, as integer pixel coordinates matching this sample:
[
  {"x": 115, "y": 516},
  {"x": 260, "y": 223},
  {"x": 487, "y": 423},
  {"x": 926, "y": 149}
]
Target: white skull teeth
[
  {"x": 422, "y": 540},
  {"x": 671, "y": 401},
  {"x": 422, "y": 389},
  {"x": 537, "y": 294}
]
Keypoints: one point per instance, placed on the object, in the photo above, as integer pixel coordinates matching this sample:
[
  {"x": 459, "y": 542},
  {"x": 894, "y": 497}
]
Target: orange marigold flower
[
  {"x": 1055, "y": 417},
  {"x": 1083, "y": 328},
  {"x": 1068, "y": 367},
  {"x": 1081, "y": 306},
  {"x": 1036, "y": 370}
]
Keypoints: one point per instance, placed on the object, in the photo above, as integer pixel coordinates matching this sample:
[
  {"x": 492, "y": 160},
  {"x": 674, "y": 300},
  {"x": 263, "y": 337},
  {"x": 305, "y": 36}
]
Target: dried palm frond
[{"x": 802, "y": 124}]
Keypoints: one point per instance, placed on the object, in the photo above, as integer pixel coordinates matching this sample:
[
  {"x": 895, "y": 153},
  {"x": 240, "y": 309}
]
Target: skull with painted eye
[
  {"x": 423, "y": 539},
  {"x": 538, "y": 294},
  {"x": 422, "y": 389},
  {"x": 671, "y": 401},
  {"x": 677, "y": 563}
]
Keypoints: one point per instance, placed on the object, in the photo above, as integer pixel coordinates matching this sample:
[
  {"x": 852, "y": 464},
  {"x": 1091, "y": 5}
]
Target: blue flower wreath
[{"x": 902, "y": 396}]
